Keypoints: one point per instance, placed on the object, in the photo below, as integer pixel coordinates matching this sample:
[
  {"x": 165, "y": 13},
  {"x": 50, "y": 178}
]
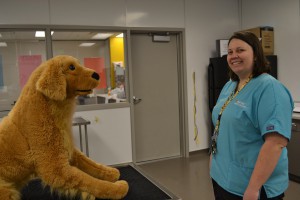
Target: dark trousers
[{"x": 221, "y": 194}]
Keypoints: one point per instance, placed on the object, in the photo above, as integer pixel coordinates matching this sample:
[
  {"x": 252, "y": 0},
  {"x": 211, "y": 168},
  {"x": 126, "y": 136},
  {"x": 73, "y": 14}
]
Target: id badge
[{"x": 214, "y": 143}]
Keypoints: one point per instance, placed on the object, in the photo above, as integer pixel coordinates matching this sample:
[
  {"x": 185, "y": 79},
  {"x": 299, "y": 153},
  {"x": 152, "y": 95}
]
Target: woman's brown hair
[{"x": 261, "y": 64}]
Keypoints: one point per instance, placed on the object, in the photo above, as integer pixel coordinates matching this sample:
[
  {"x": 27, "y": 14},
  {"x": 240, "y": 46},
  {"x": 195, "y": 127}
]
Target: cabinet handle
[{"x": 294, "y": 125}]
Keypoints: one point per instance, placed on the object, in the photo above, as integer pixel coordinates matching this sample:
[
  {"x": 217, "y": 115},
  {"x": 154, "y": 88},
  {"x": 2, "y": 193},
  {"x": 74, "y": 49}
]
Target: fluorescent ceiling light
[
  {"x": 3, "y": 44},
  {"x": 86, "y": 44},
  {"x": 41, "y": 33},
  {"x": 102, "y": 36},
  {"x": 120, "y": 35}
]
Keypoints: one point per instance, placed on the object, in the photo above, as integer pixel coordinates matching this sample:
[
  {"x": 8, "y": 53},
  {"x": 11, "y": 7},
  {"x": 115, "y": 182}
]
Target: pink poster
[
  {"x": 27, "y": 65},
  {"x": 97, "y": 64}
]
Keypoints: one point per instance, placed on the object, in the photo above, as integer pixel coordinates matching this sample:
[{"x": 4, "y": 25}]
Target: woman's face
[{"x": 240, "y": 58}]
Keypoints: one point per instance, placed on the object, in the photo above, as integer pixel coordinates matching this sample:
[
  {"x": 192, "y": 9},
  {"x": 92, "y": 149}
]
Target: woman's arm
[{"x": 265, "y": 164}]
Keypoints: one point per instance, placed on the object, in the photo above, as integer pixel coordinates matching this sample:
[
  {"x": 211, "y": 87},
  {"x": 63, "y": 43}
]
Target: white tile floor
[{"x": 188, "y": 178}]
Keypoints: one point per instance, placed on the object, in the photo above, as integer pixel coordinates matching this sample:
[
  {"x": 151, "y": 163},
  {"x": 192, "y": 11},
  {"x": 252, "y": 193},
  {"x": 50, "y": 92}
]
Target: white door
[{"x": 155, "y": 87}]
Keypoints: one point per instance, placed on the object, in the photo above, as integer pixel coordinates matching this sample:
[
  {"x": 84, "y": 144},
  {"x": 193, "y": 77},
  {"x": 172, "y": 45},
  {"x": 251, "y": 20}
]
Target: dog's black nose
[{"x": 95, "y": 76}]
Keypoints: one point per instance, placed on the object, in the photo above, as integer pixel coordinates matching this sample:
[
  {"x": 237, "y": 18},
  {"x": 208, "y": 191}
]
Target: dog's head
[{"x": 63, "y": 77}]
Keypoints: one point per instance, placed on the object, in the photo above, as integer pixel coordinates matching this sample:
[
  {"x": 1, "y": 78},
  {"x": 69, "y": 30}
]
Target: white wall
[
  {"x": 88, "y": 12},
  {"x": 108, "y": 135},
  {"x": 24, "y": 12},
  {"x": 155, "y": 13},
  {"x": 205, "y": 22},
  {"x": 284, "y": 16}
]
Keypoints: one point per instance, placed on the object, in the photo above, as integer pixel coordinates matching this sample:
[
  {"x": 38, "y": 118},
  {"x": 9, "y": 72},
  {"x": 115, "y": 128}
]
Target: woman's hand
[{"x": 251, "y": 194}]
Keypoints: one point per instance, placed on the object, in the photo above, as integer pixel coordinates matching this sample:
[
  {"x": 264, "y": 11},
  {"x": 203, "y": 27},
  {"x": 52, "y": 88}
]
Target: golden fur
[{"x": 36, "y": 137}]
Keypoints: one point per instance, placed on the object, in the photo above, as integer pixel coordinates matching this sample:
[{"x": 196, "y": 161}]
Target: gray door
[{"x": 156, "y": 108}]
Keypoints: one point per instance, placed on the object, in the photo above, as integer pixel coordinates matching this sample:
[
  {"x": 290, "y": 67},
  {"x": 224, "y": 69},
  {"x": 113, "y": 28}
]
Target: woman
[{"x": 252, "y": 121}]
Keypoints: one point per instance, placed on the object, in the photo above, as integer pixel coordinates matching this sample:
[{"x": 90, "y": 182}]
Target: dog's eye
[{"x": 72, "y": 67}]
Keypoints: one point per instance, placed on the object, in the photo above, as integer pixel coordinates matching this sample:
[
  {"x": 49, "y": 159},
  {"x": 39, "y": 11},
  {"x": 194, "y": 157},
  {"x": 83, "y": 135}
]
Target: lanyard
[{"x": 233, "y": 94}]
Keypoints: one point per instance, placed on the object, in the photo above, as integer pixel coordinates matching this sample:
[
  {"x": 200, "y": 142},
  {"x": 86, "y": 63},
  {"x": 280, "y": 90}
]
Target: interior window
[
  {"x": 20, "y": 53},
  {"x": 100, "y": 51}
]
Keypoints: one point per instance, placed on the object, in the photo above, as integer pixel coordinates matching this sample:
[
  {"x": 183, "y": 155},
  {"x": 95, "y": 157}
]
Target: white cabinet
[
  {"x": 109, "y": 135},
  {"x": 293, "y": 152}
]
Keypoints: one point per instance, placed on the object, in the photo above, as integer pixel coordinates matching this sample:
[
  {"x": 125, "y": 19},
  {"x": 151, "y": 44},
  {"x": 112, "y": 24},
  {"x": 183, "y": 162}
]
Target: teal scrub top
[{"x": 264, "y": 105}]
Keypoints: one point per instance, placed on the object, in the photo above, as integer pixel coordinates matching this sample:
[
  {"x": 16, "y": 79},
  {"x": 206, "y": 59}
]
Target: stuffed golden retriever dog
[{"x": 36, "y": 137}]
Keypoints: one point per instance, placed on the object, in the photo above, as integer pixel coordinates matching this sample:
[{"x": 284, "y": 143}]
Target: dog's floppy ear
[{"x": 52, "y": 83}]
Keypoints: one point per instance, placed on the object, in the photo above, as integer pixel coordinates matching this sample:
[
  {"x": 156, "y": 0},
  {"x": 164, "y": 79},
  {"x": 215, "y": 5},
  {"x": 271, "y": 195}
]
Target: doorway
[{"x": 156, "y": 101}]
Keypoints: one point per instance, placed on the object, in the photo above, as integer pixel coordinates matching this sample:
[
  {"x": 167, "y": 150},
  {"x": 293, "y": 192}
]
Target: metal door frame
[{"x": 182, "y": 86}]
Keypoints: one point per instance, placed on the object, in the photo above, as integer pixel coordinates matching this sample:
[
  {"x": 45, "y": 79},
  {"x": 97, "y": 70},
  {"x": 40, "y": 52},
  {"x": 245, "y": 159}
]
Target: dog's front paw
[
  {"x": 113, "y": 175},
  {"x": 122, "y": 189},
  {"x": 116, "y": 190}
]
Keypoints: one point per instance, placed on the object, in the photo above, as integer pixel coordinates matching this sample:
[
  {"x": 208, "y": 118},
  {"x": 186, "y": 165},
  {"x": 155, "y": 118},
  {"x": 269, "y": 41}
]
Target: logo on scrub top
[
  {"x": 270, "y": 127},
  {"x": 240, "y": 104}
]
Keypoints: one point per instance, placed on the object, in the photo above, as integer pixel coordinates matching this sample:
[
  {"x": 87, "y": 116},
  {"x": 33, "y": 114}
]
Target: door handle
[{"x": 136, "y": 100}]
